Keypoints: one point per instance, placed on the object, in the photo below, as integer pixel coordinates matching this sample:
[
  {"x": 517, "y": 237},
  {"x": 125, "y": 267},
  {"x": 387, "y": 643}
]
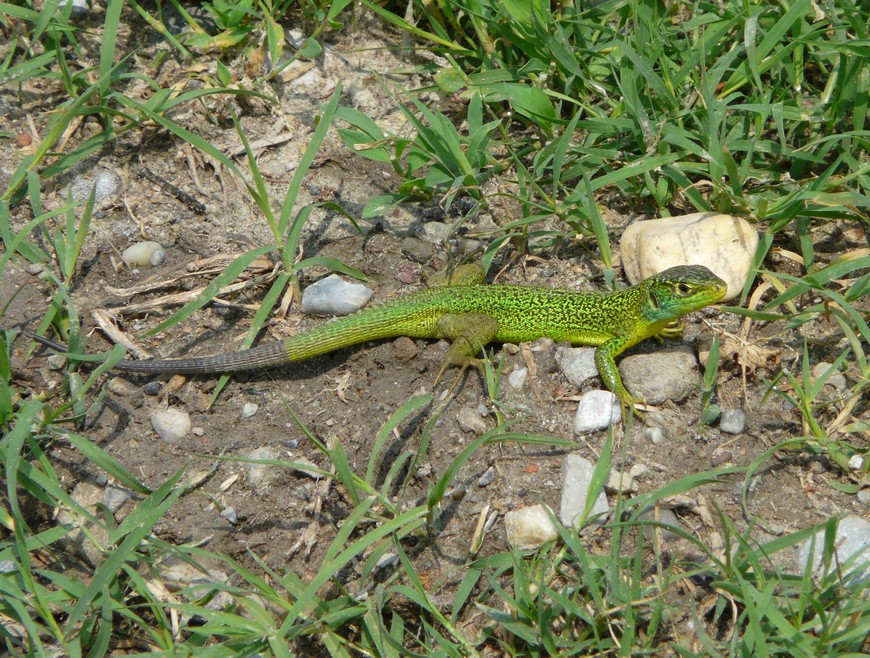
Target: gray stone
[
  {"x": 733, "y": 421},
  {"x": 114, "y": 497},
  {"x": 435, "y": 232},
  {"x": 122, "y": 387},
  {"x": 666, "y": 516},
  {"x": 835, "y": 379},
  {"x": 417, "y": 250},
  {"x": 260, "y": 476},
  {"x": 470, "y": 421},
  {"x": 660, "y": 376},
  {"x": 852, "y": 547},
  {"x": 487, "y": 478},
  {"x": 577, "y": 363}
]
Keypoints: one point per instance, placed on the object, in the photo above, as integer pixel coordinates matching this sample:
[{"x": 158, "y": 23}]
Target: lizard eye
[{"x": 684, "y": 288}]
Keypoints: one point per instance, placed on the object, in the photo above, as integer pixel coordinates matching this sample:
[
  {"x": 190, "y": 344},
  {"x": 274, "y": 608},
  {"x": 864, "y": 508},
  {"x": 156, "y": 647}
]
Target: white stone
[
  {"x": 530, "y": 527},
  {"x": 249, "y": 409},
  {"x": 171, "y": 424},
  {"x": 724, "y": 243},
  {"x": 654, "y": 435},
  {"x": 597, "y": 410},
  {"x": 141, "y": 254},
  {"x": 517, "y": 378},
  {"x": 576, "y": 479},
  {"x": 334, "y": 296}
]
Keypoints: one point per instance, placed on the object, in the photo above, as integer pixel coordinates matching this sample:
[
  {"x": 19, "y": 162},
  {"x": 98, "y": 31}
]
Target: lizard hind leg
[
  {"x": 468, "y": 334},
  {"x": 469, "y": 274}
]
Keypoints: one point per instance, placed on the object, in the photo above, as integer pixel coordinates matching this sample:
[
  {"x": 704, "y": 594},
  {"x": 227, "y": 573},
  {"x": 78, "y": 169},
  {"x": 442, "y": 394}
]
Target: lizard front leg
[{"x": 605, "y": 361}]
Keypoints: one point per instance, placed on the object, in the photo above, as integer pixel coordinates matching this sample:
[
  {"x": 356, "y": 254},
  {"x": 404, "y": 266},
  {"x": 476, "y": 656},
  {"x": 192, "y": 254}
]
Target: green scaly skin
[{"x": 471, "y": 314}]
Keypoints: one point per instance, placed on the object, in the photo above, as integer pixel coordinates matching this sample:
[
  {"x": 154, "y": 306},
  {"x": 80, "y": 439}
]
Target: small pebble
[
  {"x": 835, "y": 379},
  {"x": 303, "y": 462},
  {"x": 334, "y": 296},
  {"x": 152, "y": 388},
  {"x": 435, "y": 232},
  {"x": 576, "y": 479},
  {"x": 620, "y": 482},
  {"x": 79, "y": 8},
  {"x": 198, "y": 431},
  {"x": 171, "y": 424},
  {"x": 487, "y": 478},
  {"x": 470, "y": 421},
  {"x": 405, "y": 349},
  {"x": 8, "y": 566},
  {"x": 56, "y": 362},
  {"x": 386, "y": 560},
  {"x": 654, "y": 435},
  {"x": 260, "y": 476},
  {"x": 720, "y": 456},
  {"x": 229, "y": 513},
  {"x": 417, "y": 250},
  {"x": 856, "y": 462},
  {"x": 529, "y": 527},
  {"x": 114, "y": 497},
  {"x": 733, "y": 421},
  {"x": 544, "y": 353},
  {"x": 122, "y": 387},
  {"x": 518, "y": 377},
  {"x": 596, "y": 410},
  {"x": 35, "y": 269},
  {"x": 577, "y": 364},
  {"x": 249, "y": 409},
  {"x": 667, "y": 517},
  {"x": 140, "y": 254}
]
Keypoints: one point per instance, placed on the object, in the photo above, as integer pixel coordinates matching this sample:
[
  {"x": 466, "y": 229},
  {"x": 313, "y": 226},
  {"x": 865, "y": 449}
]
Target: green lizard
[{"x": 471, "y": 314}]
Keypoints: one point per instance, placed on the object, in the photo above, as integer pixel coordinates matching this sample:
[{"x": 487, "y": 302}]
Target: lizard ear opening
[{"x": 653, "y": 299}]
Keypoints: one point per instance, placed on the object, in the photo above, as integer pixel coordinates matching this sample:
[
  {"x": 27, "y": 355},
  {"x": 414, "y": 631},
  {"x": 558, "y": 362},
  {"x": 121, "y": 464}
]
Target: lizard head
[{"x": 680, "y": 290}]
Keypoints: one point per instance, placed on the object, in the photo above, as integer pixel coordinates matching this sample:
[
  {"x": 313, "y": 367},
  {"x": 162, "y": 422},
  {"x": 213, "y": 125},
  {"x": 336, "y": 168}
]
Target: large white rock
[{"x": 724, "y": 243}]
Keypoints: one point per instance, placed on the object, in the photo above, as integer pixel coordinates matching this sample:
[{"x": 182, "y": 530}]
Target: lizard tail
[{"x": 265, "y": 356}]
